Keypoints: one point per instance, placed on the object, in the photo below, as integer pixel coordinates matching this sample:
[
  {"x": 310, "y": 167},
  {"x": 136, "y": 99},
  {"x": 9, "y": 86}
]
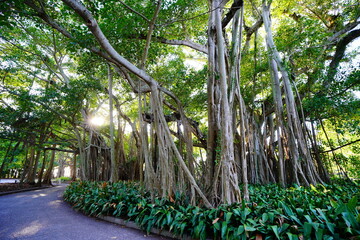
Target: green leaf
[
  {"x": 249, "y": 228},
  {"x": 240, "y": 230},
  {"x": 287, "y": 209},
  {"x": 276, "y": 231},
  {"x": 228, "y": 216},
  {"x": 333, "y": 203},
  {"x": 203, "y": 234},
  {"x": 182, "y": 228},
  {"x": 331, "y": 227},
  {"x": 245, "y": 213},
  {"x": 340, "y": 207},
  {"x": 319, "y": 234},
  {"x": 264, "y": 217},
  {"x": 217, "y": 226},
  {"x": 292, "y": 236},
  {"x": 308, "y": 218},
  {"x": 327, "y": 237},
  {"x": 284, "y": 227},
  {"x": 169, "y": 218},
  {"x": 352, "y": 203},
  {"x": 322, "y": 214},
  {"x": 296, "y": 220},
  {"x": 315, "y": 225},
  {"x": 224, "y": 229},
  {"x": 198, "y": 229},
  {"x": 350, "y": 220},
  {"x": 307, "y": 230},
  {"x": 271, "y": 216}
]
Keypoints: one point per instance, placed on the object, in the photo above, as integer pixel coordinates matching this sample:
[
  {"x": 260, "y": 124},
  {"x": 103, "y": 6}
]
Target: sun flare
[{"x": 97, "y": 121}]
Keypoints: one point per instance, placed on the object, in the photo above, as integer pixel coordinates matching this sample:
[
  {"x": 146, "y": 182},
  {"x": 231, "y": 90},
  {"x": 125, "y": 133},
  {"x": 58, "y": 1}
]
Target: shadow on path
[{"x": 43, "y": 215}]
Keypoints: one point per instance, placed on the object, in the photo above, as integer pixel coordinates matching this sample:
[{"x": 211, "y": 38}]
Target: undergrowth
[{"x": 315, "y": 212}]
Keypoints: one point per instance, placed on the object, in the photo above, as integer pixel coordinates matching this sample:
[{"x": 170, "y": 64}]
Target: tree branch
[
  {"x": 340, "y": 52},
  {"x": 250, "y": 31},
  {"x": 234, "y": 8},
  {"x": 346, "y": 29},
  {"x": 40, "y": 12},
  {"x": 134, "y": 11},
  {"x": 148, "y": 37},
  {"x": 62, "y": 150},
  {"x": 187, "y": 43},
  {"x": 117, "y": 59},
  {"x": 337, "y": 148}
]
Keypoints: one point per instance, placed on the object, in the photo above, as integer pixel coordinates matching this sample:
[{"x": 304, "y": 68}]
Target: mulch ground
[{"x": 8, "y": 187}]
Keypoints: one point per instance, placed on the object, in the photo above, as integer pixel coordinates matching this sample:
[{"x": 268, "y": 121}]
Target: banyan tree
[{"x": 258, "y": 134}]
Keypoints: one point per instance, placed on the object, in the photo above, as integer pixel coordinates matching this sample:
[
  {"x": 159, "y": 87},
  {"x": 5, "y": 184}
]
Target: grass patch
[{"x": 62, "y": 179}]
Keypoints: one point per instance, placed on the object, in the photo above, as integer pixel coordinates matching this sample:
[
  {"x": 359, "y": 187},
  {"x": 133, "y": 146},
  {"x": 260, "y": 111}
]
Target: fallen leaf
[{"x": 215, "y": 220}]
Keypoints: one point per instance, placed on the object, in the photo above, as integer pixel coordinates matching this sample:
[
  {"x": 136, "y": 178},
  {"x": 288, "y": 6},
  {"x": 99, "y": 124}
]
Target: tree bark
[
  {"x": 41, "y": 173},
  {"x": 48, "y": 173},
  {"x": 114, "y": 176},
  {"x": 230, "y": 186},
  {"x": 212, "y": 92},
  {"x": 297, "y": 142}
]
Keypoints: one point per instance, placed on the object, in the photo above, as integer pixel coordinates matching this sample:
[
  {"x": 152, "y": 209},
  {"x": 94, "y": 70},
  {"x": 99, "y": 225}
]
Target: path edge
[
  {"x": 132, "y": 224},
  {"x": 24, "y": 190}
]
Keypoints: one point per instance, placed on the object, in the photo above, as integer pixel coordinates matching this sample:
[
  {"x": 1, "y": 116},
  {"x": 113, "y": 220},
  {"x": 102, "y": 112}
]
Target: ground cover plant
[{"x": 315, "y": 212}]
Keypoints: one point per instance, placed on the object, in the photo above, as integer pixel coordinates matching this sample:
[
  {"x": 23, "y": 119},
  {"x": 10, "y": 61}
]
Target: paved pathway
[{"x": 43, "y": 215}]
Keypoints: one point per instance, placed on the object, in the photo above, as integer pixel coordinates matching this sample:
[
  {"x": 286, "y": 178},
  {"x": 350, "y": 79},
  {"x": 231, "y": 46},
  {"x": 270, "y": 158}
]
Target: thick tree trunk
[
  {"x": 82, "y": 156},
  {"x": 150, "y": 178},
  {"x": 73, "y": 168},
  {"x": 230, "y": 186},
  {"x": 29, "y": 166},
  {"x": 244, "y": 168},
  {"x": 298, "y": 148},
  {"x": 61, "y": 167},
  {"x": 237, "y": 34},
  {"x": 120, "y": 152},
  {"x": 166, "y": 142},
  {"x": 114, "y": 177},
  {"x": 280, "y": 128},
  {"x": 41, "y": 173},
  {"x": 48, "y": 173},
  {"x": 212, "y": 101},
  {"x": 25, "y": 165},
  {"x": 33, "y": 171}
]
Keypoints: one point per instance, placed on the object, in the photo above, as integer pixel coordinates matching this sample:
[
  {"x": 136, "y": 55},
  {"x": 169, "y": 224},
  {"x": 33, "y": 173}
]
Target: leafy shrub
[{"x": 316, "y": 212}]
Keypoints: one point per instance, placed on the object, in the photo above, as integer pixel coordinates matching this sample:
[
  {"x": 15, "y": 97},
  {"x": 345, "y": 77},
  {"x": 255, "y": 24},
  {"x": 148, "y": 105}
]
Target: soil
[{"x": 8, "y": 187}]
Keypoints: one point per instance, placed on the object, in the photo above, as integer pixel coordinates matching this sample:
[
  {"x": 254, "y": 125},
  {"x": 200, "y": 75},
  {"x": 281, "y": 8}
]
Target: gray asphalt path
[{"x": 43, "y": 215}]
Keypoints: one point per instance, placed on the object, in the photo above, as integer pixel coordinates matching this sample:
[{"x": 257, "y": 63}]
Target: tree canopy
[{"x": 197, "y": 97}]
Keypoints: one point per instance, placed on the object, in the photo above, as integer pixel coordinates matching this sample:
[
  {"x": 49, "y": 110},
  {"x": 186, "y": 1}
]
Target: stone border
[
  {"x": 132, "y": 224},
  {"x": 24, "y": 190}
]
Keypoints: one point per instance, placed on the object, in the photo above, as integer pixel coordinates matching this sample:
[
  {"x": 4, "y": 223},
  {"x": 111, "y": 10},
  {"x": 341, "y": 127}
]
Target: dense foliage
[{"x": 315, "y": 212}]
